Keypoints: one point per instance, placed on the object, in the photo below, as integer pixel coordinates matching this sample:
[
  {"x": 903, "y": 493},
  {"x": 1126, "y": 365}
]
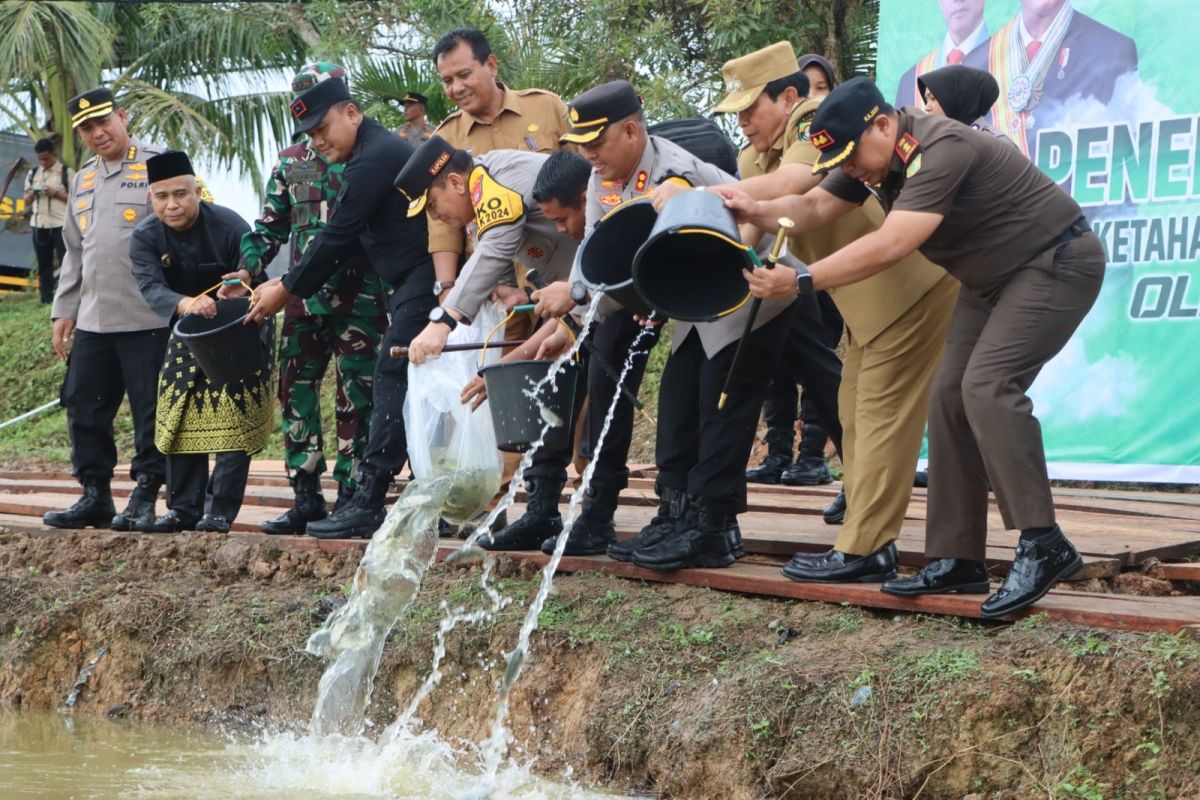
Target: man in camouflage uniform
[{"x": 345, "y": 321}]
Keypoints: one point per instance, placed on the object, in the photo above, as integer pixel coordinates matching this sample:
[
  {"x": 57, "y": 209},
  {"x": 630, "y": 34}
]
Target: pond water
[{"x": 54, "y": 756}]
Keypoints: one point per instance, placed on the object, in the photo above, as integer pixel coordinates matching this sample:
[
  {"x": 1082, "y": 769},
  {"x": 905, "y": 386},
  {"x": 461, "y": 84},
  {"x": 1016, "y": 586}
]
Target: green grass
[{"x": 32, "y": 374}]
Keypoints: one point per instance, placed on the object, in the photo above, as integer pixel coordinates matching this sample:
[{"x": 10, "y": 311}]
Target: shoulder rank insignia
[
  {"x": 495, "y": 204},
  {"x": 906, "y": 147},
  {"x": 132, "y": 154},
  {"x": 639, "y": 184}
]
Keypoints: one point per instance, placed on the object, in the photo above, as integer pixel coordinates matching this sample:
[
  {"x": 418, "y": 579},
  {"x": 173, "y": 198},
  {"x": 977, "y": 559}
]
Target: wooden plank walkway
[{"x": 1113, "y": 530}]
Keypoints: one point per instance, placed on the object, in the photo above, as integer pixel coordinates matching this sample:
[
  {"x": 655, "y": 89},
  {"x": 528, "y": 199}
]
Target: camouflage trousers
[{"x": 307, "y": 345}]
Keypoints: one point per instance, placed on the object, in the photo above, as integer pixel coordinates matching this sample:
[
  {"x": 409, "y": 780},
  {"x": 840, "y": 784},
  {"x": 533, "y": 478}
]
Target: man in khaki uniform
[
  {"x": 1030, "y": 269},
  {"x": 490, "y": 116},
  {"x": 897, "y": 322},
  {"x": 120, "y": 341}
]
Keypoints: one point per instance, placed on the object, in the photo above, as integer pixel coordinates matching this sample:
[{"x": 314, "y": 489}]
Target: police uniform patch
[
  {"x": 639, "y": 185},
  {"x": 83, "y": 222},
  {"x": 87, "y": 176},
  {"x": 535, "y": 252},
  {"x": 81, "y": 204},
  {"x": 611, "y": 200},
  {"x": 913, "y": 167},
  {"x": 129, "y": 214},
  {"x": 497, "y": 204}
]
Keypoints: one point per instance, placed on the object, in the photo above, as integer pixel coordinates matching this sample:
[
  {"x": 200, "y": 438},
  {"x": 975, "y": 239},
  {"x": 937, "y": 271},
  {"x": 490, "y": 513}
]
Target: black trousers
[
  {"x": 387, "y": 444},
  {"x": 702, "y": 450},
  {"x": 613, "y": 340},
  {"x": 103, "y": 368},
  {"x": 192, "y": 492},
  {"x": 809, "y": 360},
  {"x": 46, "y": 243}
]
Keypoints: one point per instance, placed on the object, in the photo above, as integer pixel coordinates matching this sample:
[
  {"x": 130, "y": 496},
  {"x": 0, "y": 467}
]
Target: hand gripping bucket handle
[{"x": 226, "y": 350}]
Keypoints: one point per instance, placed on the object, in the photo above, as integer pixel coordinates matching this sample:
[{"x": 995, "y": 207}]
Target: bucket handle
[
  {"x": 487, "y": 339},
  {"x": 218, "y": 286}
]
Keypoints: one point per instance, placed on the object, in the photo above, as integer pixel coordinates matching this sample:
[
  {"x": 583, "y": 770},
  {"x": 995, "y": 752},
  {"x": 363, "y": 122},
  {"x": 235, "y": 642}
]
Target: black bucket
[
  {"x": 517, "y": 417},
  {"x": 606, "y": 257},
  {"x": 691, "y": 266},
  {"x": 225, "y": 349}
]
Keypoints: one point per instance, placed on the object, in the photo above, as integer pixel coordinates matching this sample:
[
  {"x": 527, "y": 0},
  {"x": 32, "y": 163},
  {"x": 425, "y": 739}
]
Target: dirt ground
[{"x": 669, "y": 690}]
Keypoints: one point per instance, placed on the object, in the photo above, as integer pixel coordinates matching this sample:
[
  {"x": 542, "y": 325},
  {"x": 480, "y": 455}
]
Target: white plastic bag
[{"x": 445, "y": 436}]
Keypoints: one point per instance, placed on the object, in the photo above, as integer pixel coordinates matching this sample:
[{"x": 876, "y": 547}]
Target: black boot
[
  {"x": 594, "y": 531},
  {"x": 309, "y": 507},
  {"x": 1043, "y": 559},
  {"x": 171, "y": 522},
  {"x": 140, "y": 511},
  {"x": 95, "y": 509},
  {"x": 779, "y": 456},
  {"x": 363, "y": 515},
  {"x": 345, "y": 495},
  {"x": 704, "y": 544},
  {"x": 810, "y": 468},
  {"x": 540, "y": 521},
  {"x": 673, "y": 506}
]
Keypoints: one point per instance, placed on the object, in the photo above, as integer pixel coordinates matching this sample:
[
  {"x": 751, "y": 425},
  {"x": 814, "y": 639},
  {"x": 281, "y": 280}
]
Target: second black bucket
[
  {"x": 517, "y": 417},
  {"x": 225, "y": 349},
  {"x": 606, "y": 257},
  {"x": 691, "y": 266}
]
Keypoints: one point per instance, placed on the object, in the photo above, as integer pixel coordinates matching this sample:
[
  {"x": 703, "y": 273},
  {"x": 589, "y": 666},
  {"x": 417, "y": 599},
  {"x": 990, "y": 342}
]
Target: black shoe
[
  {"x": 213, "y": 523},
  {"x": 921, "y": 479},
  {"x": 345, "y": 495},
  {"x": 779, "y": 456},
  {"x": 594, "y": 531},
  {"x": 1040, "y": 563},
  {"x": 469, "y": 527},
  {"x": 540, "y": 521},
  {"x": 171, "y": 522},
  {"x": 95, "y": 509},
  {"x": 942, "y": 576},
  {"x": 704, "y": 544},
  {"x": 309, "y": 507},
  {"x": 140, "y": 510},
  {"x": 734, "y": 535},
  {"x": 673, "y": 507},
  {"x": 363, "y": 515},
  {"x": 835, "y": 512},
  {"x": 835, "y": 566},
  {"x": 809, "y": 471},
  {"x": 770, "y": 470}
]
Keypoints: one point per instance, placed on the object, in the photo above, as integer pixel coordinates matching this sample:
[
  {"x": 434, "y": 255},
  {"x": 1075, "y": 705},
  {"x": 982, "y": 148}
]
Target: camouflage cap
[{"x": 313, "y": 73}]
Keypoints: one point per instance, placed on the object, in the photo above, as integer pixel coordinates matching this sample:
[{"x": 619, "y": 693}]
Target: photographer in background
[{"x": 46, "y": 195}]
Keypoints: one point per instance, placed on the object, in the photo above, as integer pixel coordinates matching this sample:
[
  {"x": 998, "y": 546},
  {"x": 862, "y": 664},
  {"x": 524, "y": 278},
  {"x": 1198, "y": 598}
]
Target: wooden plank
[
  {"x": 1177, "y": 572},
  {"x": 1119, "y": 612}
]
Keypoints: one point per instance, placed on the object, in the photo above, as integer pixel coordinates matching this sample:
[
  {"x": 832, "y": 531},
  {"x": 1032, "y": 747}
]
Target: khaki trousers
[
  {"x": 883, "y": 402},
  {"x": 981, "y": 422}
]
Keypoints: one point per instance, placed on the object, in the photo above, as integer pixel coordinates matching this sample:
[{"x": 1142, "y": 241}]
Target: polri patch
[{"x": 497, "y": 204}]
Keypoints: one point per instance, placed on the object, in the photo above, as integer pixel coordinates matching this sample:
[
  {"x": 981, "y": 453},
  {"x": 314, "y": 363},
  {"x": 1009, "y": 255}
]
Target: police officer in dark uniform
[
  {"x": 1030, "y": 271},
  {"x": 119, "y": 340},
  {"x": 370, "y": 213}
]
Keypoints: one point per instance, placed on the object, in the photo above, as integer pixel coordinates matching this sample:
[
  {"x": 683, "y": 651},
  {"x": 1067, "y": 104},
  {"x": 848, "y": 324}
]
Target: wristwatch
[
  {"x": 579, "y": 293},
  {"x": 804, "y": 283},
  {"x": 440, "y": 314},
  {"x": 441, "y": 286}
]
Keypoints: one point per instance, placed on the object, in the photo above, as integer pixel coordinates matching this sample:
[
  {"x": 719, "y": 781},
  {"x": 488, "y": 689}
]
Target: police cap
[
  {"x": 414, "y": 97},
  {"x": 91, "y": 104},
  {"x": 419, "y": 172},
  {"x": 310, "y": 106},
  {"x": 841, "y": 120},
  {"x": 593, "y": 111}
]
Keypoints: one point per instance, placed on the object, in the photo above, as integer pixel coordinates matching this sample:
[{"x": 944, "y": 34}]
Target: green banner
[{"x": 1103, "y": 96}]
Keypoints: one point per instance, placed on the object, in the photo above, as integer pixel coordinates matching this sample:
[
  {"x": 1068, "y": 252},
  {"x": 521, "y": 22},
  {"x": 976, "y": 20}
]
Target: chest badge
[
  {"x": 913, "y": 167},
  {"x": 129, "y": 214},
  {"x": 610, "y": 200}
]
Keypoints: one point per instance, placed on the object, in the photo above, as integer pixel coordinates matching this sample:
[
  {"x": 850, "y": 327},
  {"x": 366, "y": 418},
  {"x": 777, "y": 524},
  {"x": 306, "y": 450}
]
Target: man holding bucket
[
  {"x": 371, "y": 215},
  {"x": 701, "y": 451},
  {"x": 897, "y": 323},
  {"x": 180, "y": 258},
  {"x": 119, "y": 340},
  {"x": 1029, "y": 275}
]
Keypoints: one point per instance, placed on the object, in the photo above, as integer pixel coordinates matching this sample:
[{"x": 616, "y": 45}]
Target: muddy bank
[{"x": 666, "y": 689}]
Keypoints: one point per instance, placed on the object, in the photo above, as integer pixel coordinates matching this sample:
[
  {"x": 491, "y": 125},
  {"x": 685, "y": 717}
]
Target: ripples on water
[{"x": 55, "y": 757}]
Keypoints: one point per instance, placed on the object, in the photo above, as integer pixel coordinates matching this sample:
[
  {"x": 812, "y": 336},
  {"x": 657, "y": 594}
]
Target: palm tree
[{"x": 192, "y": 76}]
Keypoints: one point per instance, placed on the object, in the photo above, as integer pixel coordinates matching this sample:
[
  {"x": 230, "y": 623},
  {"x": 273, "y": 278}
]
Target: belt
[{"x": 1076, "y": 229}]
